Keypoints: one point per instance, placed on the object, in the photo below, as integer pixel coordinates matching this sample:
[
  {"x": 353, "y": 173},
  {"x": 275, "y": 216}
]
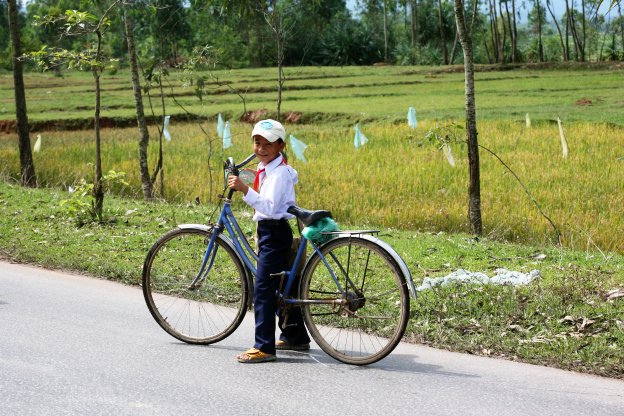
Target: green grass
[
  {"x": 353, "y": 92},
  {"x": 563, "y": 319}
]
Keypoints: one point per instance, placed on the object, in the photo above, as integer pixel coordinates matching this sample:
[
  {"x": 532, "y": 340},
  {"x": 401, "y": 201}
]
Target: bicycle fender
[
  {"x": 399, "y": 260},
  {"x": 388, "y": 249}
]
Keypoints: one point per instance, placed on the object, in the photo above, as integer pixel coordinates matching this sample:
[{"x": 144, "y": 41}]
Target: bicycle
[{"x": 353, "y": 291}]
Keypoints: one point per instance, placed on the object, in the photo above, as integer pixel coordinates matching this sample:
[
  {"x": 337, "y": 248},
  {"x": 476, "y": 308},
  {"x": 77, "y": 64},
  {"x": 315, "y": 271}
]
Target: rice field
[{"x": 399, "y": 179}]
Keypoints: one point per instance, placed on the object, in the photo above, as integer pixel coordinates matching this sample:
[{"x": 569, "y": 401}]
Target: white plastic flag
[
  {"x": 359, "y": 139},
  {"x": 220, "y": 126},
  {"x": 528, "y": 120},
  {"x": 37, "y": 147},
  {"x": 449, "y": 155},
  {"x": 564, "y": 142},
  {"x": 165, "y": 131},
  {"x": 411, "y": 118},
  {"x": 298, "y": 148},
  {"x": 227, "y": 137}
]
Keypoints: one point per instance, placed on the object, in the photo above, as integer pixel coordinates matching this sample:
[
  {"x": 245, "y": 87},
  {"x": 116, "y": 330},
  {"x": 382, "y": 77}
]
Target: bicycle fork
[{"x": 208, "y": 261}]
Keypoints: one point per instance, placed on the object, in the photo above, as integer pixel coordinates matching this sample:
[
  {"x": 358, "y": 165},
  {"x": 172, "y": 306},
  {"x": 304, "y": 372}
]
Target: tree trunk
[
  {"x": 494, "y": 29},
  {"x": 511, "y": 33},
  {"x": 567, "y": 31},
  {"x": 487, "y": 51},
  {"x": 146, "y": 182},
  {"x": 442, "y": 37},
  {"x": 275, "y": 24},
  {"x": 385, "y": 27},
  {"x": 621, "y": 25},
  {"x": 98, "y": 188},
  {"x": 472, "y": 22},
  {"x": 504, "y": 40},
  {"x": 575, "y": 37},
  {"x": 563, "y": 45},
  {"x": 540, "y": 45},
  {"x": 454, "y": 49},
  {"x": 413, "y": 6},
  {"x": 514, "y": 30},
  {"x": 27, "y": 165},
  {"x": 584, "y": 33},
  {"x": 474, "y": 188}
]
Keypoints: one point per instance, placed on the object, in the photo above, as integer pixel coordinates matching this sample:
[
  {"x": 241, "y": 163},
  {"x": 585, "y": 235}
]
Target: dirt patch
[
  {"x": 293, "y": 117},
  {"x": 251, "y": 117},
  {"x": 584, "y": 101},
  {"x": 602, "y": 65},
  {"x": 254, "y": 116},
  {"x": 8, "y": 126}
]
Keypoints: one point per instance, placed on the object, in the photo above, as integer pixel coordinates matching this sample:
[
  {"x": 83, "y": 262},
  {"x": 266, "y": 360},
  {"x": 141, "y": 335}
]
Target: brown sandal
[{"x": 254, "y": 355}]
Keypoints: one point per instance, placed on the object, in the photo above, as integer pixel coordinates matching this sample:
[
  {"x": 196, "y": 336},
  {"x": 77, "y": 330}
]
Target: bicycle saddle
[{"x": 308, "y": 217}]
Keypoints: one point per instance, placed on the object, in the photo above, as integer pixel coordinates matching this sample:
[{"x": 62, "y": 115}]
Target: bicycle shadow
[{"x": 396, "y": 362}]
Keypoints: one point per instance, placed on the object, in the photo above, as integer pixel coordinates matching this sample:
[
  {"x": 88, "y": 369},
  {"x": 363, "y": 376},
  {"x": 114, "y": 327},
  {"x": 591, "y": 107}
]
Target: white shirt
[{"x": 277, "y": 191}]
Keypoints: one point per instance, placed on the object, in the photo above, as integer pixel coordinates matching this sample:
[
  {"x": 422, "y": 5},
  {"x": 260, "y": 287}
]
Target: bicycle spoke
[
  {"x": 371, "y": 318},
  {"x": 215, "y": 305}
]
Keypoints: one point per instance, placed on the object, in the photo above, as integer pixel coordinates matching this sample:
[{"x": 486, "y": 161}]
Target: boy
[{"x": 274, "y": 192}]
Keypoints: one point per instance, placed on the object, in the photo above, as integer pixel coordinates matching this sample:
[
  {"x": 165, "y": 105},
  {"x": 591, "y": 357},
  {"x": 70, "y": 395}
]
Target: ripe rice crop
[{"x": 398, "y": 179}]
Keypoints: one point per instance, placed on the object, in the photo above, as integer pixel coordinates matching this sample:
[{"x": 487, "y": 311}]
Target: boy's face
[{"x": 265, "y": 150}]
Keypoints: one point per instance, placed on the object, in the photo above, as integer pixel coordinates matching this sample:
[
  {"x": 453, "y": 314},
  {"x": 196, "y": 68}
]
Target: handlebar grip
[{"x": 232, "y": 166}]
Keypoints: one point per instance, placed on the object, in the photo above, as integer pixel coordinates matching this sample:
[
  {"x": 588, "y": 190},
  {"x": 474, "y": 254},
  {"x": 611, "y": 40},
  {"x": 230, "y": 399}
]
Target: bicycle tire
[
  {"x": 204, "y": 315},
  {"x": 371, "y": 324}
]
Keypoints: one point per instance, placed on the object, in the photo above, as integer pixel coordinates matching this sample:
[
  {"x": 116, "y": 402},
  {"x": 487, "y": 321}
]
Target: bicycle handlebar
[{"x": 234, "y": 169}]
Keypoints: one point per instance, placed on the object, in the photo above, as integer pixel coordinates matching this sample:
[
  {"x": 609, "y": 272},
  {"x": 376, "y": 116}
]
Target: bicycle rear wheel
[
  {"x": 369, "y": 316},
  {"x": 211, "y": 310}
]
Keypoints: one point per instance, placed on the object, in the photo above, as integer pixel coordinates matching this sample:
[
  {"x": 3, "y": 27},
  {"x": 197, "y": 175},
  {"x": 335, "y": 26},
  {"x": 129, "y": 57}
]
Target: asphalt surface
[{"x": 73, "y": 345}]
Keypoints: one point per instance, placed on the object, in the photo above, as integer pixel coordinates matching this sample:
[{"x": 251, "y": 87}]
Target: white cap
[{"x": 270, "y": 130}]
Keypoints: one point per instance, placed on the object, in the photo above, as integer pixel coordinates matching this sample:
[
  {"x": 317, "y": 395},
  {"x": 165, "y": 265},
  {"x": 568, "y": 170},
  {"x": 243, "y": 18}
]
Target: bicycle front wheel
[
  {"x": 207, "y": 311},
  {"x": 360, "y": 317}
]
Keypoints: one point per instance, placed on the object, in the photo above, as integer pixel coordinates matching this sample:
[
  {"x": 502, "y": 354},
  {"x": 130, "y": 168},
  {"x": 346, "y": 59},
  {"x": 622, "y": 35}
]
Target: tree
[
  {"x": 537, "y": 18},
  {"x": 497, "y": 44},
  {"x": 146, "y": 181},
  {"x": 621, "y": 19},
  {"x": 564, "y": 48},
  {"x": 84, "y": 25},
  {"x": 170, "y": 28},
  {"x": 414, "y": 21},
  {"x": 474, "y": 187},
  {"x": 27, "y": 166},
  {"x": 5, "y": 37},
  {"x": 275, "y": 20},
  {"x": 442, "y": 37}
]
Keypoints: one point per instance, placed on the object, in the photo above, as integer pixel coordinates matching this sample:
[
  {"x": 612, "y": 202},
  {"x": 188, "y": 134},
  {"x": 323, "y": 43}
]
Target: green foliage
[
  {"x": 320, "y": 32},
  {"x": 5, "y": 41},
  {"x": 81, "y": 204},
  {"x": 447, "y": 134},
  {"x": 74, "y": 23}
]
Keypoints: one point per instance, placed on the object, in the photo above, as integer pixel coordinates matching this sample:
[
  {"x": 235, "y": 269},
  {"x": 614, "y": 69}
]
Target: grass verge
[{"x": 569, "y": 318}]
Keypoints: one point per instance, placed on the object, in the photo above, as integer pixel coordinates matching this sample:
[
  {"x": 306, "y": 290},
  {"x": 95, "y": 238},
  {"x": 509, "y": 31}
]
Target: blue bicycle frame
[{"x": 228, "y": 222}]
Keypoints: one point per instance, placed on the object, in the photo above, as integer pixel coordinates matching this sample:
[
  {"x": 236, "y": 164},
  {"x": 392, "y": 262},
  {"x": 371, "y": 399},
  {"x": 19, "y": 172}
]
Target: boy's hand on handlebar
[{"x": 234, "y": 182}]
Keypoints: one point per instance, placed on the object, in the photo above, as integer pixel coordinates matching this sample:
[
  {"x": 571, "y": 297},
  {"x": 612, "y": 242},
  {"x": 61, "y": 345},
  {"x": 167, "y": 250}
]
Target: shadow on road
[{"x": 395, "y": 362}]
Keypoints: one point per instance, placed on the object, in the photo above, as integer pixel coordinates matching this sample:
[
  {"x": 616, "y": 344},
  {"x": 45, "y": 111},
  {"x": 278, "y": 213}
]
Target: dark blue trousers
[{"x": 274, "y": 242}]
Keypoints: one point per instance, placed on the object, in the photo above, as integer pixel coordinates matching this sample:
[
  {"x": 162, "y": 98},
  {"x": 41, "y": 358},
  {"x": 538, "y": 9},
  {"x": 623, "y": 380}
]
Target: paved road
[{"x": 72, "y": 345}]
